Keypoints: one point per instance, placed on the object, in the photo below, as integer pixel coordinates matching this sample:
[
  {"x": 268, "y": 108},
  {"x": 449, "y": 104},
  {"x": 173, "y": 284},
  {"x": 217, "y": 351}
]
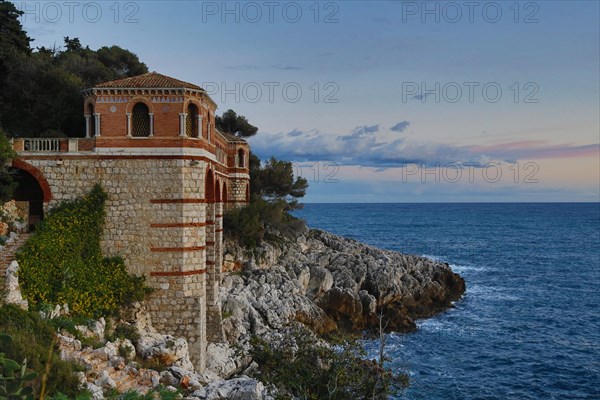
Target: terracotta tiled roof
[
  {"x": 148, "y": 81},
  {"x": 232, "y": 138}
]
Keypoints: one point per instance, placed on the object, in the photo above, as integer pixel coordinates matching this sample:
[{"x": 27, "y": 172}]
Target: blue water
[{"x": 528, "y": 326}]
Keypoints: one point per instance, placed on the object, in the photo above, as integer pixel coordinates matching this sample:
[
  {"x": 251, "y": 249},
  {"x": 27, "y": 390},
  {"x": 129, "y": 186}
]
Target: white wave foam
[
  {"x": 490, "y": 293},
  {"x": 464, "y": 268}
]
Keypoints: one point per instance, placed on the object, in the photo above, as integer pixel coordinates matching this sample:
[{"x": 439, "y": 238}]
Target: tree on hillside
[
  {"x": 12, "y": 35},
  {"x": 234, "y": 124},
  {"x": 13, "y": 43},
  {"x": 275, "y": 181},
  {"x": 7, "y": 183},
  {"x": 41, "y": 90},
  {"x": 273, "y": 193}
]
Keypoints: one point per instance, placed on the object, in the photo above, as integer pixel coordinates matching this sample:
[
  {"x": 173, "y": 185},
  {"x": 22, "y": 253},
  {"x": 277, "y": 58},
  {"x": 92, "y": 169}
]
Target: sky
[{"x": 382, "y": 101}]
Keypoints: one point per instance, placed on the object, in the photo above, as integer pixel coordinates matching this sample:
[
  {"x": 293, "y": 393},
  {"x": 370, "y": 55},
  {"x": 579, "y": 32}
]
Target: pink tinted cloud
[{"x": 535, "y": 149}]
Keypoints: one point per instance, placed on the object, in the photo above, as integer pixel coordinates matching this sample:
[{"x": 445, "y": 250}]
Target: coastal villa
[{"x": 151, "y": 142}]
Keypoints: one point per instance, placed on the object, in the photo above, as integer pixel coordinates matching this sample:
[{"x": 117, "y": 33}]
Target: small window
[
  {"x": 191, "y": 124},
  {"x": 140, "y": 120},
  {"x": 241, "y": 158}
]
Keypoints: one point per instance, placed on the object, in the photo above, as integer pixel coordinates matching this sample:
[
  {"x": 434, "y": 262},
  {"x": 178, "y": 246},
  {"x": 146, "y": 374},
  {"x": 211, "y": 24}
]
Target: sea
[{"x": 528, "y": 326}]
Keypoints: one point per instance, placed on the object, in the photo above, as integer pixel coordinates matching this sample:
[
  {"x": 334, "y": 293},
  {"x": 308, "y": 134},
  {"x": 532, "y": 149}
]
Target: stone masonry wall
[{"x": 158, "y": 220}]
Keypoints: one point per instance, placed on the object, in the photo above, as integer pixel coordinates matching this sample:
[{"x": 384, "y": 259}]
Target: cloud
[
  {"x": 372, "y": 146},
  {"x": 250, "y": 67},
  {"x": 245, "y": 67},
  {"x": 536, "y": 149},
  {"x": 359, "y": 132},
  {"x": 287, "y": 67},
  {"x": 400, "y": 126}
]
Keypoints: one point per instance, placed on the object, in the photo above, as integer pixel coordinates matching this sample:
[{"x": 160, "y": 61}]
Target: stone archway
[{"x": 31, "y": 193}]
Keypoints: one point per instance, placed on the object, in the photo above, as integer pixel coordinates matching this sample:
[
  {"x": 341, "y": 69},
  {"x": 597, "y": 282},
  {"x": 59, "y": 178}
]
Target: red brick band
[
  {"x": 219, "y": 216},
  {"x": 180, "y": 225},
  {"x": 177, "y": 201},
  {"x": 179, "y": 273},
  {"x": 218, "y": 230},
  {"x": 176, "y": 249}
]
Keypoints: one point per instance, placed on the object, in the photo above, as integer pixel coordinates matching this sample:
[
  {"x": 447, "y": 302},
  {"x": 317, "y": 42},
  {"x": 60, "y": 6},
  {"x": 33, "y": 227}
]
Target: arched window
[
  {"x": 140, "y": 116},
  {"x": 224, "y": 195},
  {"x": 209, "y": 188},
  {"x": 208, "y": 127},
  {"x": 241, "y": 158},
  {"x": 218, "y": 191},
  {"x": 91, "y": 120},
  {"x": 191, "y": 124}
]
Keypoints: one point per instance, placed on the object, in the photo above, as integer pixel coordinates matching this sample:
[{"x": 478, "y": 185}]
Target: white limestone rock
[
  {"x": 93, "y": 330},
  {"x": 96, "y": 391},
  {"x": 13, "y": 295},
  {"x": 105, "y": 381},
  {"x": 224, "y": 360},
  {"x": 168, "y": 350},
  {"x": 320, "y": 282},
  {"x": 242, "y": 388}
]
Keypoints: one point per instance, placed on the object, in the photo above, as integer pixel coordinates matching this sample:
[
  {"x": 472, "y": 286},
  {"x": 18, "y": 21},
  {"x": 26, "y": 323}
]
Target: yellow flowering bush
[{"x": 62, "y": 262}]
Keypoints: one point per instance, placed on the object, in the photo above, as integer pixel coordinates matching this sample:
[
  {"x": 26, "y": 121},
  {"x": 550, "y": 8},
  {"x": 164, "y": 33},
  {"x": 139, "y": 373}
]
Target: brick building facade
[{"x": 151, "y": 143}]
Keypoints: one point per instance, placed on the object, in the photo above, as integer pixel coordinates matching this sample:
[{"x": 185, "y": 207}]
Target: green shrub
[
  {"x": 15, "y": 380},
  {"x": 301, "y": 367},
  {"x": 32, "y": 338},
  {"x": 7, "y": 182},
  {"x": 125, "y": 331},
  {"x": 251, "y": 224},
  {"x": 62, "y": 262}
]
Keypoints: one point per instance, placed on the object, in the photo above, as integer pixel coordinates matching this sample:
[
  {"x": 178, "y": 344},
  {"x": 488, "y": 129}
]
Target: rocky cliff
[{"x": 330, "y": 283}]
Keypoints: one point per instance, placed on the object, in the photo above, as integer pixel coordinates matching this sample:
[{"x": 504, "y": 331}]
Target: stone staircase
[{"x": 7, "y": 255}]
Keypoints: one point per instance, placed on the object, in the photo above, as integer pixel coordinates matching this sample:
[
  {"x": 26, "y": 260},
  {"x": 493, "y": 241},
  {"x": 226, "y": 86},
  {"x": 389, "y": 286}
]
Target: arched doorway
[
  {"x": 224, "y": 195},
  {"x": 29, "y": 196},
  {"x": 209, "y": 189}
]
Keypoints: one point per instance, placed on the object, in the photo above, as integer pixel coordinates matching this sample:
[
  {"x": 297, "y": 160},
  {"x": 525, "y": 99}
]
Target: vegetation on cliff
[
  {"x": 302, "y": 367},
  {"x": 62, "y": 262},
  {"x": 7, "y": 183},
  {"x": 33, "y": 343},
  {"x": 41, "y": 87},
  {"x": 274, "y": 191}
]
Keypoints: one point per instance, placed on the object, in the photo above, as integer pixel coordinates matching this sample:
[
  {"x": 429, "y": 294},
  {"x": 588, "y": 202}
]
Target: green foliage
[
  {"x": 273, "y": 193},
  {"x": 300, "y": 367},
  {"x": 41, "y": 90},
  {"x": 62, "y": 262},
  {"x": 275, "y": 180},
  {"x": 61, "y": 396},
  {"x": 12, "y": 36},
  {"x": 235, "y": 124},
  {"x": 125, "y": 331},
  {"x": 32, "y": 338},
  {"x": 15, "y": 381},
  {"x": 160, "y": 394},
  {"x": 7, "y": 183},
  {"x": 251, "y": 224}
]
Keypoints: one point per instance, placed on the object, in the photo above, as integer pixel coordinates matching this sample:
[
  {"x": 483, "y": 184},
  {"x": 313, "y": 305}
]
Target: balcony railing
[
  {"x": 41, "y": 145},
  {"x": 52, "y": 145}
]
